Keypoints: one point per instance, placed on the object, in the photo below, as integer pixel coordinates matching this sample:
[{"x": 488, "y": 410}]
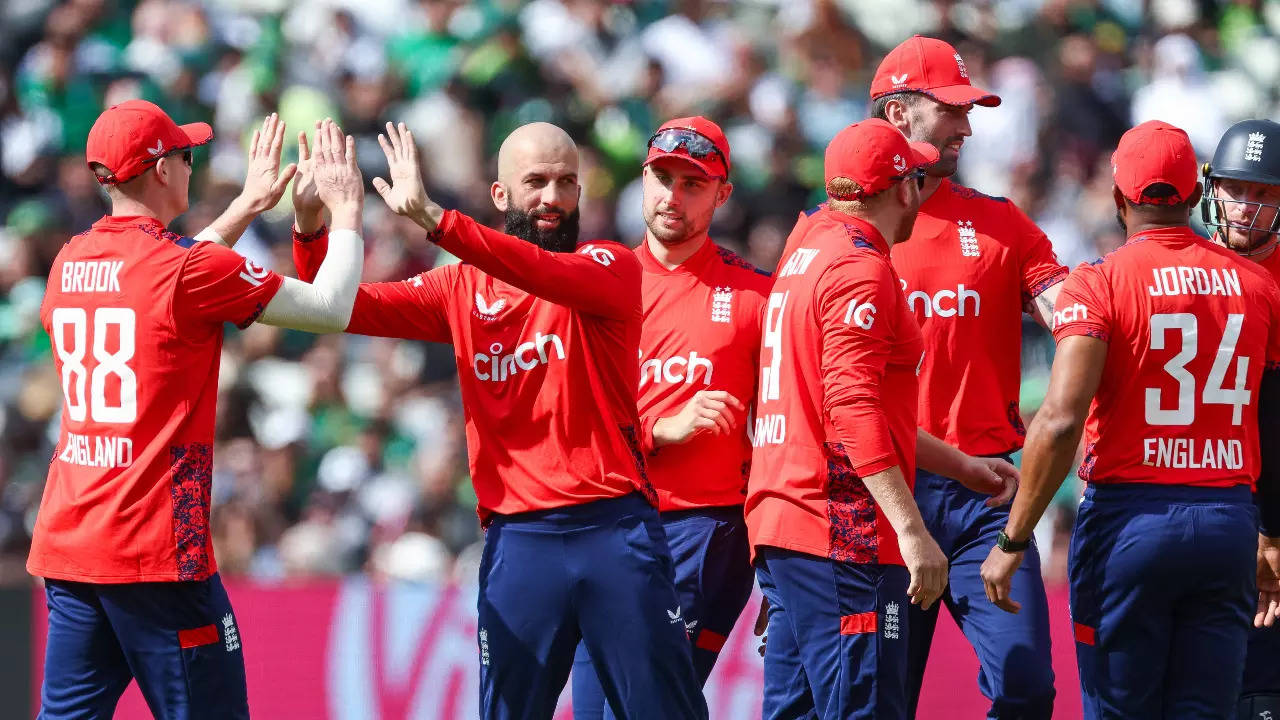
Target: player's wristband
[
  {"x": 1009, "y": 545},
  {"x": 209, "y": 235}
]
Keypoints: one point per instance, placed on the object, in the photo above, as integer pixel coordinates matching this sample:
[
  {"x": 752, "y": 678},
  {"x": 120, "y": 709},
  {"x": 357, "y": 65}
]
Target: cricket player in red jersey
[
  {"x": 546, "y": 336},
  {"x": 975, "y": 263},
  {"x": 135, "y": 315},
  {"x": 1242, "y": 204},
  {"x": 699, "y": 349},
  {"x": 840, "y": 548},
  {"x": 1167, "y": 359}
]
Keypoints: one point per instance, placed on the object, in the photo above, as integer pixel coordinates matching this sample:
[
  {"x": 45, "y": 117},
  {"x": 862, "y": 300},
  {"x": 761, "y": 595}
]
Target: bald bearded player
[{"x": 546, "y": 337}]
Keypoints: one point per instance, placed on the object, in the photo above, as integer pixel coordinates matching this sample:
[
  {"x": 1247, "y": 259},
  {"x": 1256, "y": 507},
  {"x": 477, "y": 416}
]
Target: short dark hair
[{"x": 906, "y": 97}]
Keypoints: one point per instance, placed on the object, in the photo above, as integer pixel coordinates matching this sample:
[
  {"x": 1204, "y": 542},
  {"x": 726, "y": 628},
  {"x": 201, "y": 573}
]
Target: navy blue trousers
[
  {"x": 838, "y": 635},
  {"x": 713, "y": 581},
  {"x": 1015, "y": 666},
  {"x": 179, "y": 640},
  {"x": 1163, "y": 590},
  {"x": 598, "y": 573}
]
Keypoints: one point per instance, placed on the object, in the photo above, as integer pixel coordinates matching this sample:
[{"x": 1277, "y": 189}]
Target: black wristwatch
[{"x": 1009, "y": 545}]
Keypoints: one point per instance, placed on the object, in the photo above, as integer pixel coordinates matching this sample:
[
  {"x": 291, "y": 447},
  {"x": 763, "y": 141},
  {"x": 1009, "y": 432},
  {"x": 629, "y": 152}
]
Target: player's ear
[
  {"x": 498, "y": 193},
  {"x": 895, "y": 112},
  {"x": 723, "y": 192},
  {"x": 1196, "y": 194}
]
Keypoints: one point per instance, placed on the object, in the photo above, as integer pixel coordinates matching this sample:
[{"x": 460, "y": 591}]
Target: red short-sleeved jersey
[
  {"x": 701, "y": 331},
  {"x": 973, "y": 263},
  {"x": 135, "y": 315},
  {"x": 837, "y": 396},
  {"x": 546, "y": 345},
  {"x": 1189, "y": 326}
]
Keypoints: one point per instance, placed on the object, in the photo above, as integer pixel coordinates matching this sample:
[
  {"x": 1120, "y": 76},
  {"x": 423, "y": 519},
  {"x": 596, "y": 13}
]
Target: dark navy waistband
[
  {"x": 719, "y": 512},
  {"x": 572, "y": 515},
  {"x": 1155, "y": 492}
]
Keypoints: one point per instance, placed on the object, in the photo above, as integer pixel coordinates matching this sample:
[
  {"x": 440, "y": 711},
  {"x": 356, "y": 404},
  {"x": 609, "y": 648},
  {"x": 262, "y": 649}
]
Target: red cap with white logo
[
  {"x": 874, "y": 154},
  {"x": 1150, "y": 153},
  {"x": 932, "y": 67},
  {"x": 128, "y": 138}
]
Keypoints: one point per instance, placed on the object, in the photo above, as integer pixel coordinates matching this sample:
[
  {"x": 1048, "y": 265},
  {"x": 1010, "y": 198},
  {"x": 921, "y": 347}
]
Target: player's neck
[
  {"x": 931, "y": 184},
  {"x": 672, "y": 256},
  {"x": 129, "y": 207},
  {"x": 1137, "y": 227}
]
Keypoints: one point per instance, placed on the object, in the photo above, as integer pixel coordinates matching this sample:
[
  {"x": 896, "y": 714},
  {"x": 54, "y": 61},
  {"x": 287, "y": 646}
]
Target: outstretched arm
[{"x": 600, "y": 278}]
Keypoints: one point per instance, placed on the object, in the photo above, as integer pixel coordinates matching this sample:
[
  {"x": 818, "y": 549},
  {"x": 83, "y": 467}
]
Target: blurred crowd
[{"x": 343, "y": 454}]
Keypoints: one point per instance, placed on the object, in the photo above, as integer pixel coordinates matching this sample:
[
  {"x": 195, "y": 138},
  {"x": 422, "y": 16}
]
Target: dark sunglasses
[
  {"x": 188, "y": 155},
  {"x": 919, "y": 174},
  {"x": 698, "y": 146}
]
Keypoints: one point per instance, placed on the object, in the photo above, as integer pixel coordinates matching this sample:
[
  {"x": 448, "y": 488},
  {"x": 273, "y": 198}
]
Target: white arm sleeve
[{"x": 323, "y": 306}]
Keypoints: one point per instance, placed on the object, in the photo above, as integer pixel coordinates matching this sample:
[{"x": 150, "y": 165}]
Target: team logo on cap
[
  {"x": 964, "y": 71},
  {"x": 899, "y": 79},
  {"x": 158, "y": 150},
  {"x": 1253, "y": 150},
  {"x": 899, "y": 164}
]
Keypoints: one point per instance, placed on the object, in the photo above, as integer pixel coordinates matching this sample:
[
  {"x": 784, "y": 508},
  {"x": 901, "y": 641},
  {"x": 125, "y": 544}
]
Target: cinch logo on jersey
[
  {"x": 678, "y": 369},
  {"x": 1070, "y": 314},
  {"x": 944, "y": 303},
  {"x": 91, "y": 276},
  {"x": 496, "y": 367},
  {"x": 968, "y": 238},
  {"x": 799, "y": 262},
  {"x": 861, "y": 314}
]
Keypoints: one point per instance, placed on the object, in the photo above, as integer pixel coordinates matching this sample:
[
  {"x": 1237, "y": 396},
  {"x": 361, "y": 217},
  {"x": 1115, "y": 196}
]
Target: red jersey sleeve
[
  {"x": 1273, "y": 341},
  {"x": 601, "y": 278},
  {"x": 856, "y": 347},
  {"x": 1040, "y": 268},
  {"x": 415, "y": 308},
  {"x": 1084, "y": 305},
  {"x": 218, "y": 285}
]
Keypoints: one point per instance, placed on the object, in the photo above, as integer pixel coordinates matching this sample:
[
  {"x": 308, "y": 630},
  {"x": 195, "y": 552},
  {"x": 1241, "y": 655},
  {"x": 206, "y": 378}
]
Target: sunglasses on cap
[
  {"x": 697, "y": 145},
  {"x": 919, "y": 174},
  {"x": 188, "y": 156}
]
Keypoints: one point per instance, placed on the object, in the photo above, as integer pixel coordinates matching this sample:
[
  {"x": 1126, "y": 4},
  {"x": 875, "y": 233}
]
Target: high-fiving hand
[
  {"x": 405, "y": 194},
  {"x": 307, "y": 205},
  {"x": 265, "y": 182},
  {"x": 337, "y": 178}
]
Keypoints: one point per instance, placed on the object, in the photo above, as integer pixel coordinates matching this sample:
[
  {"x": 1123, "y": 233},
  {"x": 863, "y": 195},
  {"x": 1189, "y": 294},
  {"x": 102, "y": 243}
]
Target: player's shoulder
[
  {"x": 741, "y": 272},
  {"x": 972, "y": 198}
]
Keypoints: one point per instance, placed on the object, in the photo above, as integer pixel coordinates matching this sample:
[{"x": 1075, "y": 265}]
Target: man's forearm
[
  {"x": 307, "y": 221},
  {"x": 936, "y": 456},
  {"x": 894, "y": 498},
  {"x": 1044, "y": 303},
  {"x": 1046, "y": 460}
]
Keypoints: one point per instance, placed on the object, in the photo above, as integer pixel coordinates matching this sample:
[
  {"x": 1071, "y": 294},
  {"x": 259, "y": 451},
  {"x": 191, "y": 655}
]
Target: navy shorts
[
  {"x": 713, "y": 581},
  {"x": 837, "y": 633},
  {"x": 1163, "y": 590},
  {"x": 179, "y": 640},
  {"x": 1015, "y": 666},
  {"x": 598, "y": 573}
]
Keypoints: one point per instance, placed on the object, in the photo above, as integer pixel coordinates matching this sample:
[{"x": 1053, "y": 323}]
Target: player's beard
[
  {"x": 562, "y": 238},
  {"x": 682, "y": 233}
]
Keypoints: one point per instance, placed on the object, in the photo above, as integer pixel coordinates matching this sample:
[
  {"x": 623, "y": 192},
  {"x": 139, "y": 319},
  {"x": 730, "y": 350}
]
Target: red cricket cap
[
  {"x": 930, "y": 66},
  {"x": 709, "y": 164},
  {"x": 1154, "y": 152},
  {"x": 872, "y": 153},
  {"x": 128, "y": 138}
]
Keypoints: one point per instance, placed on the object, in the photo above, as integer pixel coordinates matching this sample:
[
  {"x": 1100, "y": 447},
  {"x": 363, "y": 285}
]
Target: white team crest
[
  {"x": 892, "y": 621},
  {"x": 1253, "y": 150},
  {"x": 899, "y": 79},
  {"x": 487, "y": 311},
  {"x": 230, "y": 636},
  {"x": 156, "y": 151},
  {"x": 722, "y": 304},
  {"x": 964, "y": 71},
  {"x": 968, "y": 238},
  {"x": 899, "y": 163}
]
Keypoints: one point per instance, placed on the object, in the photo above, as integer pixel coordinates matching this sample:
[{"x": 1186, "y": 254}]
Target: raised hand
[
  {"x": 265, "y": 183},
  {"x": 307, "y": 205},
  {"x": 339, "y": 184},
  {"x": 405, "y": 194}
]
